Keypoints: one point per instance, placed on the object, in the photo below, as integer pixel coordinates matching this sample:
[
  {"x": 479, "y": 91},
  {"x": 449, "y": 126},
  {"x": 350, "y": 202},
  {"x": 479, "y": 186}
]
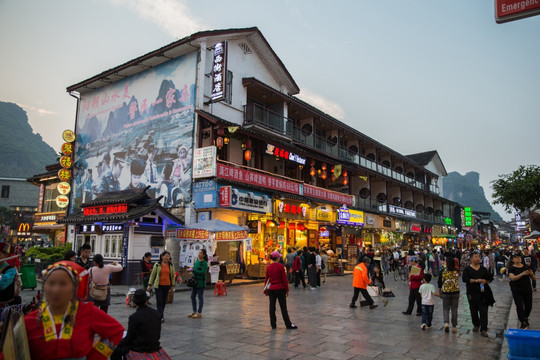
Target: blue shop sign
[{"x": 205, "y": 194}]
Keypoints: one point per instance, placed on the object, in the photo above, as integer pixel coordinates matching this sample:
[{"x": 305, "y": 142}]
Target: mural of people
[{"x": 110, "y": 182}]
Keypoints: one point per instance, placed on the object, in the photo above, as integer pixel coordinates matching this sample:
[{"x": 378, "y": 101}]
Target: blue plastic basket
[{"x": 523, "y": 344}]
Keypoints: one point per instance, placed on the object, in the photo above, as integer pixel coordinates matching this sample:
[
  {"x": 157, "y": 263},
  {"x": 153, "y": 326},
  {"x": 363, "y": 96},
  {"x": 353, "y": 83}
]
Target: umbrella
[
  {"x": 533, "y": 235},
  {"x": 216, "y": 225}
]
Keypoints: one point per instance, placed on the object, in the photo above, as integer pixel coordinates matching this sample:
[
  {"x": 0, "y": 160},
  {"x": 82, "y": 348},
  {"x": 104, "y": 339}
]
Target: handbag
[
  {"x": 191, "y": 282},
  {"x": 98, "y": 292},
  {"x": 266, "y": 287},
  {"x": 170, "y": 296}
]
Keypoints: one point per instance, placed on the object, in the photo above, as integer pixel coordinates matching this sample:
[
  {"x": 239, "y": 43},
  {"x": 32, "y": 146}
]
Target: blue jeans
[
  {"x": 197, "y": 292},
  {"x": 427, "y": 314}
]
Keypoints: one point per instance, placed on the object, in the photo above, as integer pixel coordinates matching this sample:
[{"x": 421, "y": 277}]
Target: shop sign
[
  {"x": 105, "y": 209},
  {"x": 370, "y": 220},
  {"x": 448, "y": 221},
  {"x": 467, "y": 211},
  {"x": 231, "y": 235},
  {"x": 48, "y": 217},
  {"x": 64, "y": 174},
  {"x": 387, "y": 223},
  {"x": 416, "y": 228},
  {"x": 67, "y": 148},
  {"x": 258, "y": 179},
  {"x": 242, "y": 199},
  {"x": 253, "y": 226},
  {"x": 204, "y": 194},
  {"x": 286, "y": 208},
  {"x": 219, "y": 72},
  {"x": 41, "y": 195},
  {"x": 62, "y": 201},
  {"x": 192, "y": 234},
  {"x": 204, "y": 162},
  {"x": 509, "y": 10},
  {"x": 324, "y": 233},
  {"x": 125, "y": 246},
  {"x": 327, "y": 195},
  {"x": 249, "y": 244},
  {"x": 401, "y": 211},
  {"x": 63, "y": 188},
  {"x": 350, "y": 217},
  {"x": 68, "y": 136},
  {"x": 66, "y": 162},
  {"x": 284, "y": 154},
  {"x": 426, "y": 229},
  {"x": 437, "y": 229},
  {"x": 225, "y": 196},
  {"x": 324, "y": 215},
  {"x": 24, "y": 229},
  {"x": 112, "y": 227}
]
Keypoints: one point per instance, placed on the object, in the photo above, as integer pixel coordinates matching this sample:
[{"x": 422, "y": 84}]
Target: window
[
  {"x": 228, "y": 95},
  {"x": 114, "y": 242},
  {"x": 5, "y": 191}
]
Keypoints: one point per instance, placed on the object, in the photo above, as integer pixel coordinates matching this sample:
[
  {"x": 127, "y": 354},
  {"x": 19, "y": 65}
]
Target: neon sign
[
  {"x": 105, "y": 209},
  {"x": 284, "y": 154}
]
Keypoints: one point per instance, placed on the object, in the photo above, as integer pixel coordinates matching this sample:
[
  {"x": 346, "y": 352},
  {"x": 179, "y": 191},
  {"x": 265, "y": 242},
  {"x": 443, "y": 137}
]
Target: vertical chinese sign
[
  {"x": 62, "y": 200},
  {"x": 219, "y": 72}
]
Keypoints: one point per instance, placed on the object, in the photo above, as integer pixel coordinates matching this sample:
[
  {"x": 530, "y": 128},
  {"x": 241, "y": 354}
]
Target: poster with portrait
[{"x": 138, "y": 132}]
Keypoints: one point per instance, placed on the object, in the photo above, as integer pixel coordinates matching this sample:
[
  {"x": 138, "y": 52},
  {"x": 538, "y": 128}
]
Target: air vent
[{"x": 245, "y": 48}]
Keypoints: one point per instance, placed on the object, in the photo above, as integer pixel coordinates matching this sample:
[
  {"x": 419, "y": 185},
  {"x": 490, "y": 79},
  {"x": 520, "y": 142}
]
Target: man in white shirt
[{"x": 318, "y": 260}]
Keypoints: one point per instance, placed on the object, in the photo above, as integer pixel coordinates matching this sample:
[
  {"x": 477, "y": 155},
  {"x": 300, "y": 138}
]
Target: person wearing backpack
[
  {"x": 324, "y": 265},
  {"x": 10, "y": 284},
  {"x": 448, "y": 284}
]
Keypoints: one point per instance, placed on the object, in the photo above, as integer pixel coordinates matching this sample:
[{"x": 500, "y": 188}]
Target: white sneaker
[
  {"x": 312, "y": 288},
  {"x": 423, "y": 327}
]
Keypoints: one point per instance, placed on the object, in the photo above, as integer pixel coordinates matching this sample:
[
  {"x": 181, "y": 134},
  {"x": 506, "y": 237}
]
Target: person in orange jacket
[{"x": 360, "y": 283}]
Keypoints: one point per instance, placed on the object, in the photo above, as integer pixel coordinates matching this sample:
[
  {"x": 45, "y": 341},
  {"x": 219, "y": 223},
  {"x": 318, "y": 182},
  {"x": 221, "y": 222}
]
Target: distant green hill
[
  {"x": 466, "y": 190},
  {"x": 22, "y": 152}
]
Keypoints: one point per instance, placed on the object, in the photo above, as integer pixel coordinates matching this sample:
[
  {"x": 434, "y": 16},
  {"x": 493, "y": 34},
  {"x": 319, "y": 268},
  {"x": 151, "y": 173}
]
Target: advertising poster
[{"x": 138, "y": 132}]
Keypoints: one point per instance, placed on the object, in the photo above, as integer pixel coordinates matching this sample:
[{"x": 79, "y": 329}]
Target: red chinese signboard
[
  {"x": 66, "y": 162},
  {"x": 231, "y": 235},
  {"x": 255, "y": 178},
  {"x": 105, "y": 209},
  {"x": 64, "y": 174},
  {"x": 509, "y": 10},
  {"x": 192, "y": 234},
  {"x": 67, "y": 148},
  {"x": 323, "y": 194},
  {"x": 225, "y": 196}
]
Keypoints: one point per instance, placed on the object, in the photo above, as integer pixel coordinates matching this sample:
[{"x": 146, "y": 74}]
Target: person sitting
[{"x": 144, "y": 331}]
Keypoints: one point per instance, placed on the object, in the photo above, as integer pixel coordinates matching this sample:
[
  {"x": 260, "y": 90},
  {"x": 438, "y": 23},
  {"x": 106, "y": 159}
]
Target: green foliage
[
  {"x": 7, "y": 217},
  {"x": 519, "y": 190},
  {"x": 54, "y": 253}
]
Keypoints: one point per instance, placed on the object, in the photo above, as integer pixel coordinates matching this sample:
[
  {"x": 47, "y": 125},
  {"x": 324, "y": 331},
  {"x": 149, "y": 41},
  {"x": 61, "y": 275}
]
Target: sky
[{"x": 415, "y": 75}]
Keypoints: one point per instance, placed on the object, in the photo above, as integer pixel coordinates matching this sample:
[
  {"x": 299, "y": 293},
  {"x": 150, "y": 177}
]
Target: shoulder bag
[{"x": 98, "y": 292}]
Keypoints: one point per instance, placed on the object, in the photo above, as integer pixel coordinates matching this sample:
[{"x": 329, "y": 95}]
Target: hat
[
  {"x": 137, "y": 166},
  {"x": 4, "y": 247},
  {"x": 275, "y": 255},
  {"x": 74, "y": 270},
  {"x": 120, "y": 156},
  {"x": 140, "y": 297}
]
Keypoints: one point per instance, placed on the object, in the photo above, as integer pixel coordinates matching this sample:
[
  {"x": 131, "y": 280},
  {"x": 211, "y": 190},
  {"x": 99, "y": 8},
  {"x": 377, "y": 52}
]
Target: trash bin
[
  {"x": 28, "y": 276},
  {"x": 523, "y": 344}
]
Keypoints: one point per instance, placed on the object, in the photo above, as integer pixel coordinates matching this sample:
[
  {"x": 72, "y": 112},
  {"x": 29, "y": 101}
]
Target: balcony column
[
  {"x": 285, "y": 116},
  {"x": 201, "y": 74}
]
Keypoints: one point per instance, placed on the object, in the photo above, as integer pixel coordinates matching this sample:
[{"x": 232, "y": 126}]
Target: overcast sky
[{"x": 416, "y": 75}]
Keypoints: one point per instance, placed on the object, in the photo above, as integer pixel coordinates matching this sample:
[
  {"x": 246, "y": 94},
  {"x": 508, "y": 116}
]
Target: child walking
[{"x": 427, "y": 291}]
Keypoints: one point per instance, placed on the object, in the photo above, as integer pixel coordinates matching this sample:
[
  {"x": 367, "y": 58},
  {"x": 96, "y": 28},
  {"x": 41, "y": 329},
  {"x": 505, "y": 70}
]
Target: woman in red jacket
[
  {"x": 414, "y": 284},
  {"x": 64, "y": 327},
  {"x": 278, "y": 289}
]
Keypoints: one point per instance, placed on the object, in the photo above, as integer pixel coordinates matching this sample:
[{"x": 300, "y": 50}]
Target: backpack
[
  {"x": 450, "y": 281},
  {"x": 322, "y": 264},
  {"x": 13, "y": 289}
]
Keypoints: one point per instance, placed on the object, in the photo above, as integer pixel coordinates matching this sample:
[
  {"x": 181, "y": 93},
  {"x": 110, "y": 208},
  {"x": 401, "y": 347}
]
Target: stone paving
[{"x": 237, "y": 326}]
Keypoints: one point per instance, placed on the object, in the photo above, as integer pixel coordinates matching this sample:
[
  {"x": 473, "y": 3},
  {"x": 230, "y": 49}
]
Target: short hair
[
  {"x": 69, "y": 254},
  {"x": 86, "y": 246},
  {"x": 148, "y": 253},
  {"x": 427, "y": 277},
  {"x": 366, "y": 260}
]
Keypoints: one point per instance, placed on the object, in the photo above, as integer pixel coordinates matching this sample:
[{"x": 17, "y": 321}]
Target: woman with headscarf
[
  {"x": 99, "y": 275},
  {"x": 65, "y": 328},
  {"x": 277, "y": 289}
]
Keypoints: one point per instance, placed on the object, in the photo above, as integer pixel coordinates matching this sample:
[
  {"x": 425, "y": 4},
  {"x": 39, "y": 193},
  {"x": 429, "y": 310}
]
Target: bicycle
[{"x": 399, "y": 273}]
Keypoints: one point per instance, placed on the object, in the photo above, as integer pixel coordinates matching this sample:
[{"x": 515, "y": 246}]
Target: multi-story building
[
  {"x": 211, "y": 123},
  {"x": 18, "y": 197}
]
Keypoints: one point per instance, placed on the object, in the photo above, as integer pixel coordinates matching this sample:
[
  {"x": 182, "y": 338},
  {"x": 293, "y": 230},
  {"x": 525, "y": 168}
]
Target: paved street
[{"x": 237, "y": 326}]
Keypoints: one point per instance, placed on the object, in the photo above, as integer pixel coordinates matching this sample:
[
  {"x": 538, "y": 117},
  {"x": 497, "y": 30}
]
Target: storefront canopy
[{"x": 216, "y": 225}]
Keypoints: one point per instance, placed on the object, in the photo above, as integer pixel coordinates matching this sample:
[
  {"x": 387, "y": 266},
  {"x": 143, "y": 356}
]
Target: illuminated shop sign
[
  {"x": 350, "y": 217},
  {"x": 105, "y": 209},
  {"x": 401, "y": 211},
  {"x": 284, "y": 154},
  {"x": 416, "y": 228},
  {"x": 467, "y": 211},
  {"x": 448, "y": 221},
  {"x": 244, "y": 199},
  {"x": 104, "y": 228},
  {"x": 287, "y": 208},
  {"x": 219, "y": 72}
]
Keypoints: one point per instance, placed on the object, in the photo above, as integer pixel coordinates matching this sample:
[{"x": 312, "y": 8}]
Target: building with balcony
[{"x": 211, "y": 125}]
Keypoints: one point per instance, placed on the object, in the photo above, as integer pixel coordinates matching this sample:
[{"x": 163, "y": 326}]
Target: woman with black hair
[
  {"x": 162, "y": 279},
  {"x": 448, "y": 283},
  {"x": 199, "y": 273},
  {"x": 146, "y": 269},
  {"x": 99, "y": 275},
  {"x": 70, "y": 255}
]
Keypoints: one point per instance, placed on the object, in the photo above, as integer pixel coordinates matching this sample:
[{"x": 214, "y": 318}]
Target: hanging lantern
[
  {"x": 281, "y": 225},
  {"x": 312, "y": 171},
  {"x": 323, "y": 166},
  {"x": 226, "y": 141},
  {"x": 323, "y": 175},
  {"x": 332, "y": 169},
  {"x": 292, "y": 226},
  {"x": 333, "y": 177},
  {"x": 300, "y": 227},
  {"x": 248, "y": 144},
  {"x": 270, "y": 224},
  {"x": 219, "y": 142},
  {"x": 247, "y": 155},
  {"x": 345, "y": 173},
  {"x": 312, "y": 163},
  {"x": 345, "y": 181}
]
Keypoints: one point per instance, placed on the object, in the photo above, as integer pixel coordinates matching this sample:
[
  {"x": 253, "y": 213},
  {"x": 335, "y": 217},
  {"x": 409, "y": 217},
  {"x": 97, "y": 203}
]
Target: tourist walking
[
  {"x": 298, "y": 270},
  {"x": 520, "y": 284},
  {"x": 99, "y": 275},
  {"x": 448, "y": 284},
  {"x": 530, "y": 260},
  {"x": 427, "y": 291},
  {"x": 415, "y": 281},
  {"x": 162, "y": 280},
  {"x": 289, "y": 258},
  {"x": 479, "y": 293},
  {"x": 146, "y": 269},
  {"x": 360, "y": 283},
  {"x": 324, "y": 265},
  {"x": 199, "y": 273},
  {"x": 143, "y": 334},
  {"x": 318, "y": 266},
  {"x": 277, "y": 289},
  {"x": 312, "y": 268}
]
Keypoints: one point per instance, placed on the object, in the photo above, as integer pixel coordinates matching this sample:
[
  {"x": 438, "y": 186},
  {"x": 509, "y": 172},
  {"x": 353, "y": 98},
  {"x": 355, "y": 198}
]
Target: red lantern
[
  {"x": 332, "y": 169},
  {"x": 333, "y": 177},
  {"x": 292, "y": 226},
  {"x": 219, "y": 142},
  {"x": 281, "y": 225},
  {"x": 270, "y": 223},
  {"x": 345, "y": 173},
  {"x": 247, "y": 155},
  {"x": 248, "y": 144},
  {"x": 345, "y": 181},
  {"x": 312, "y": 163},
  {"x": 323, "y": 166},
  {"x": 300, "y": 227},
  {"x": 312, "y": 171},
  {"x": 323, "y": 175}
]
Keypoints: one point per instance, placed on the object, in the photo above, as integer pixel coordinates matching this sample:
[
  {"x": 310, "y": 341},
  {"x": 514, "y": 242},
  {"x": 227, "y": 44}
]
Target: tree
[
  {"x": 519, "y": 190},
  {"x": 7, "y": 217}
]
